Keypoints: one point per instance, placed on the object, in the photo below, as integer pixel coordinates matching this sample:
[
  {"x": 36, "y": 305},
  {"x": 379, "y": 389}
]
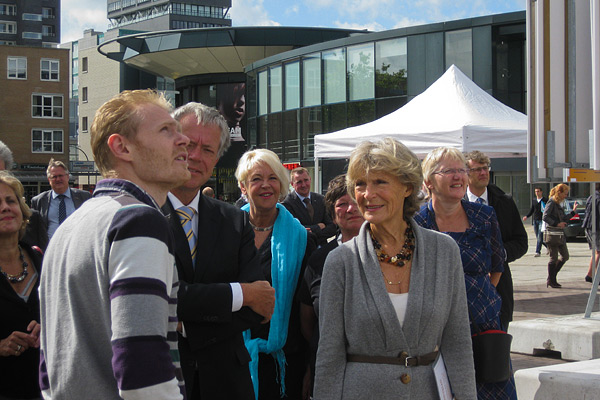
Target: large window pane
[
  {"x": 312, "y": 80},
  {"x": 275, "y": 137},
  {"x": 361, "y": 112},
  {"x": 459, "y": 50},
  {"x": 291, "y": 135},
  {"x": 292, "y": 86},
  {"x": 334, "y": 117},
  {"x": 390, "y": 68},
  {"x": 361, "y": 72},
  {"x": 311, "y": 126},
  {"x": 334, "y": 74},
  {"x": 275, "y": 89},
  {"x": 262, "y": 92},
  {"x": 262, "y": 132}
]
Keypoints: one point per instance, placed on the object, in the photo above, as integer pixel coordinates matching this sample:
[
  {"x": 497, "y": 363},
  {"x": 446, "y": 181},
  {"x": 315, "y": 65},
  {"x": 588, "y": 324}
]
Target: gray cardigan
[{"x": 357, "y": 317}]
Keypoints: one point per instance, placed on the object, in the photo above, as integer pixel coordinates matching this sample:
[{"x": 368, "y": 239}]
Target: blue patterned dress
[{"x": 482, "y": 252}]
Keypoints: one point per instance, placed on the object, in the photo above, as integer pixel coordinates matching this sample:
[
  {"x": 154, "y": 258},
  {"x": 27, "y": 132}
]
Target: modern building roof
[{"x": 179, "y": 53}]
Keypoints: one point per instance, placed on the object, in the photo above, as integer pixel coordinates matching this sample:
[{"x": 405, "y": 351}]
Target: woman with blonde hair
[
  {"x": 392, "y": 298},
  {"x": 474, "y": 227},
  {"x": 277, "y": 348},
  {"x": 19, "y": 303},
  {"x": 555, "y": 219}
]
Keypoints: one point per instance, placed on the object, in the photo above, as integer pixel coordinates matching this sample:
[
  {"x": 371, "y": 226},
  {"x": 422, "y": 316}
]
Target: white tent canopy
[{"x": 452, "y": 112}]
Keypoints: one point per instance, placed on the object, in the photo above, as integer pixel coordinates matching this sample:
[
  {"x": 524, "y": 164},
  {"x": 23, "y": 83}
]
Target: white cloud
[
  {"x": 293, "y": 10},
  {"x": 355, "y": 8},
  {"x": 404, "y": 22},
  {"x": 250, "y": 13},
  {"x": 78, "y": 15}
]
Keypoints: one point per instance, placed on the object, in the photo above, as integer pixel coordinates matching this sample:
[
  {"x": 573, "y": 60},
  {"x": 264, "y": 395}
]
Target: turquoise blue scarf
[{"x": 288, "y": 244}]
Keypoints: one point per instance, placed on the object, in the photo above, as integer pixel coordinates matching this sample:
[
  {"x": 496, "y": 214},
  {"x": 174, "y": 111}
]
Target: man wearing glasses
[
  {"x": 512, "y": 230},
  {"x": 57, "y": 204}
]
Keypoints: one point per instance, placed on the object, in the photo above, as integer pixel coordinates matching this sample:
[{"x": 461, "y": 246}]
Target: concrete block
[
  {"x": 575, "y": 337},
  {"x": 573, "y": 381}
]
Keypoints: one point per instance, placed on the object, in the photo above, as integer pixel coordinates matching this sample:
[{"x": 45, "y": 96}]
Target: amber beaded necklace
[{"x": 405, "y": 254}]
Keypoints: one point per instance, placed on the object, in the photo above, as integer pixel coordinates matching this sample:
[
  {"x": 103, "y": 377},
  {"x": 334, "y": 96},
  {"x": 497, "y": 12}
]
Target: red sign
[{"x": 291, "y": 166}]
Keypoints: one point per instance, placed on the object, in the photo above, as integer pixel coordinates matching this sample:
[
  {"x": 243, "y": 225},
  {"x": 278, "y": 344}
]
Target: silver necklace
[{"x": 19, "y": 277}]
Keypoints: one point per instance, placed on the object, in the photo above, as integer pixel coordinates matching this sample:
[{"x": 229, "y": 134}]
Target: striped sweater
[{"x": 108, "y": 297}]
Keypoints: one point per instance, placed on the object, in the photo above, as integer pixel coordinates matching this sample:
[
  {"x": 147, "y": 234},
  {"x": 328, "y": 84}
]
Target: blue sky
[{"x": 375, "y": 15}]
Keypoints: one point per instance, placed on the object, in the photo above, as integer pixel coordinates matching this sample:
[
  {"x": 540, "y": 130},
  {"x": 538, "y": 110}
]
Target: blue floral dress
[{"x": 482, "y": 252}]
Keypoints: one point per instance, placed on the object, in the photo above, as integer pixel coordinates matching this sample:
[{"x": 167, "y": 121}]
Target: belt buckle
[{"x": 406, "y": 361}]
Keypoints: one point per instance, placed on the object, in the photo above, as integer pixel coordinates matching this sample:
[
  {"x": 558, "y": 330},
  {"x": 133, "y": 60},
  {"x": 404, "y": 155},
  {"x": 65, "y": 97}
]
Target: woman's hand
[
  {"x": 562, "y": 224},
  {"x": 17, "y": 342}
]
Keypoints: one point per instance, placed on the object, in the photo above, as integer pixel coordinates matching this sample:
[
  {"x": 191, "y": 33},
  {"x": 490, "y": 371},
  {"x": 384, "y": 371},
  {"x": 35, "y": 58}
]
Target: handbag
[
  {"x": 491, "y": 355},
  {"x": 554, "y": 236}
]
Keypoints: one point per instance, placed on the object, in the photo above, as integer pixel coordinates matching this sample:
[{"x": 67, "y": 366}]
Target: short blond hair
[
  {"x": 388, "y": 156},
  {"x": 435, "y": 157},
  {"x": 478, "y": 157},
  {"x": 8, "y": 179},
  {"x": 253, "y": 157},
  {"x": 121, "y": 115}
]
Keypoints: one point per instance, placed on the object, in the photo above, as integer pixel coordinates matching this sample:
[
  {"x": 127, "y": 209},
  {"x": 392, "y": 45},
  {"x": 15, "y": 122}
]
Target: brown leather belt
[{"x": 402, "y": 359}]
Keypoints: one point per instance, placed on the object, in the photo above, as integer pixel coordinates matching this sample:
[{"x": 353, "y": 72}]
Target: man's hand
[
  {"x": 321, "y": 225},
  {"x": 260, "y": 297}
]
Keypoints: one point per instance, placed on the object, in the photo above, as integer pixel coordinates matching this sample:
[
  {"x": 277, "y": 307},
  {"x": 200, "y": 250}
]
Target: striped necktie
[
  {"x": 480, "y": 200},
  {"x": 185, "y": 216}
]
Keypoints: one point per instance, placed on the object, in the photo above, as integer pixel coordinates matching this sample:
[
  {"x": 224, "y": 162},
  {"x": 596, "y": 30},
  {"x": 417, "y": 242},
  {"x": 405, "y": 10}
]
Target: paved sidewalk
[{"x": 534, "y": 300}]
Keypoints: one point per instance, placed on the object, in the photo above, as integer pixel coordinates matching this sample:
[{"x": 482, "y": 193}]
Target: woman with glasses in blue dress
[{"x": 475, "y": 229}]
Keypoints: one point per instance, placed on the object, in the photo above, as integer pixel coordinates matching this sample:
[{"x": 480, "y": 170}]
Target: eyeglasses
[
  {"x": 452, "y": 171},
  {"x": 55, "y": 177},
  {"x": 480, "y": 169}
]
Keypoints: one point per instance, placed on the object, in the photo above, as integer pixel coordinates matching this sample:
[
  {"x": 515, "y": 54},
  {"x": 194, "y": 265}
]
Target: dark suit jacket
[
  {"x": 37, "y": 231},
  {"x": 214, "y": 343},
  {"x": 536, "y": 209},
  {"x": 294, "y": 205},
  {"x": 514, "y": 238},
  {"x": 41, "y": 202}
]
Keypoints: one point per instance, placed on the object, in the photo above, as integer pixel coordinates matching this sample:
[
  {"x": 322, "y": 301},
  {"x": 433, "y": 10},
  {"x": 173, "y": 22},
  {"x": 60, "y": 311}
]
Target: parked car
[{"x": 574, "y": 229}]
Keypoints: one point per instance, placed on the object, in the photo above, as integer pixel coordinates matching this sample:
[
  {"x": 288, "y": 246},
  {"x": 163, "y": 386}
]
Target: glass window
[
  {"x": 8, "y": 9},
  {"x": 48, "y": 13},
  {"x": 31, "y": 17},
  {"x": 262, "y": 93},
  {"x": 312, "y": 80},
  {"x": 84, "y": 94},
  {"x": 361, "y": 112},
  {"x": 459, "y": 50},
  {"x": 292, "y": 85},
  {"x": 334, "y": 117},
  {"x": 84, "y": 124},
  {"x": 361, "y": 79},
  {"x": 276, "y": 98},
  {"x": 8, "y": 27},
  {"x": 262, "y": 132},
  {"x": 17, "y": 68},
  {"x": 291, "y": 135},
  {"x": 84, "y": 64},
  {"x": 49, "y": 70},
  {"x": 48, "y": 30},
  {"x": 334, "y": 75},
  {"x": 46, "y": 141},
  {"x": 311, "y": 125},
  {"x": 47, "y": 106},
  {"x": 275, "y": 138},
  {"x": 32, "y": 35},
  {"x": 390, "y": 68}
]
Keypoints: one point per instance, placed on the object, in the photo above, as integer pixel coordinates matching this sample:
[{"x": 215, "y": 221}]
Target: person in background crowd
[
  {"x": 222, "y": 291},
  {"x": 208, "y": 192},
  {"x": 475, "y": 229},
  {"x": 36, "y": 232},
  {"x": 278, "y": 349},
  {"x": 537, "y": 209},
  {"x": 309, "y": 207},
  {"x": 20, "y": 266},
  {"x": 393, "y": 297},
  {"x": 587, "y": 224},
  {"x": 514, "y": 236},
  {"x": 6, "y": 157},
  {"x": 108, "y": 293},
  {"x": 345, "y": 214},
  {"x": 554, "y": 217},
  {"x": 57, "y": 204}
]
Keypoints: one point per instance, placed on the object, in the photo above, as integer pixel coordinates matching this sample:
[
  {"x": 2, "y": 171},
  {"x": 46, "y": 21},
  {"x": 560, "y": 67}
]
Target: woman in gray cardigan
[{"x": 384, "y": 319}]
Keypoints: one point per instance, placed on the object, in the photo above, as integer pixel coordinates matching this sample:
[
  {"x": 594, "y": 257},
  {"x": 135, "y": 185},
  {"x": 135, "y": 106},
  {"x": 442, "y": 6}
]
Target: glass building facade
[{"x": 342, "y": 83}]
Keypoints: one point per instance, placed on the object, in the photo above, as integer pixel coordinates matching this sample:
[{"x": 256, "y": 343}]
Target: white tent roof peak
[{"x": 453, "y": 112}]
